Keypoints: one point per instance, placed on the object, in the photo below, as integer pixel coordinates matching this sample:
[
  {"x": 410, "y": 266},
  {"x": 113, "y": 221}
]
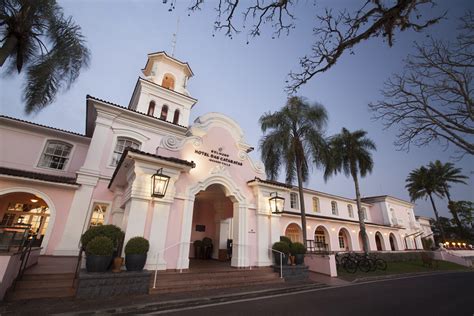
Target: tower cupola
[{"x": 161, "y": 92}]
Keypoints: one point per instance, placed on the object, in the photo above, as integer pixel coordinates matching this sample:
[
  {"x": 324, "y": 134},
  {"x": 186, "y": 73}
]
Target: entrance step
[
  {"x": 52, "y": 285},
  {"x": 172, "y": 282}
]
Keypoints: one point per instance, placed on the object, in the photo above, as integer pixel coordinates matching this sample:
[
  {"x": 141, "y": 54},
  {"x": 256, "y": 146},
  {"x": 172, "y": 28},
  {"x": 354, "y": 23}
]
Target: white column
[
  {"x": 116, "y": 215},
  {"x": 263, "y": 240},
  {"x": 158, "y": 233},
  {"x": 136, "y": 209},
  {"x": 78, "y": 217},
  {"x": 187, "y": 222},
  {"x": 240, "y": 248},
  {"x": 98, "y": 143}
]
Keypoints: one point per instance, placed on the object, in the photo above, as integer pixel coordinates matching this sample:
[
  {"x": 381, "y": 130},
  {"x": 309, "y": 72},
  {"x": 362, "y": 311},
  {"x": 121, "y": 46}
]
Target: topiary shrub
[
  {"x": 282, "y": 247},
  {"x": 285, "y": 240},
  {"x": 114, "y": 233},
  {"x": 297, "y": 248},
  {"x": 100, "y": 246},
  {"x": 137, "y": 246}
]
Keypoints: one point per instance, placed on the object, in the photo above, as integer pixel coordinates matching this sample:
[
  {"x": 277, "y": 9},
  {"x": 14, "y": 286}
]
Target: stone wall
[{"x": 95, "y": 285}]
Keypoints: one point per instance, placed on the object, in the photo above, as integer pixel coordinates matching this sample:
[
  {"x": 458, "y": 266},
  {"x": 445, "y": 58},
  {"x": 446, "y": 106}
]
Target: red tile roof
[{"x": 37, "y": 176}]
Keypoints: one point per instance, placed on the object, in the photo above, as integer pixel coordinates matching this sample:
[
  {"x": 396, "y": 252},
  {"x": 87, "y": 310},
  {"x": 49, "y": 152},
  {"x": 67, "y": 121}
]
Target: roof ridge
[{"x": 42, "y": 125}]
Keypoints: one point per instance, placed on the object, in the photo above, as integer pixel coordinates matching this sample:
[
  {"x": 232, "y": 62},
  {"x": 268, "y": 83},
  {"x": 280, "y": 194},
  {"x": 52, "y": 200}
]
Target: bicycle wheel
[
  {"x": 350, "y": 266},
  {"x": 364, "y": 265},
  {"x": 381, "y": 264},
  {"x": 373, "y": 265}
]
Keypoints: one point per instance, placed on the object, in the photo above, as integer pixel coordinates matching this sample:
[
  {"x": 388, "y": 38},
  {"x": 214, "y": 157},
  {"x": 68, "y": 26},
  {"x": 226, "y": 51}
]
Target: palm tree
[
  {"x": 295, "y": 133},
  {"x": 446, "y": 174},
  {"x": 350, "y": 153},
  {"x": 35, "y": 34},
  {"x": 423, "y": 183}
]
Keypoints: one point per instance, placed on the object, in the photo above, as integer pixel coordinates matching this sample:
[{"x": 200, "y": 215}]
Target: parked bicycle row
[{"x": 352, "y": 261}]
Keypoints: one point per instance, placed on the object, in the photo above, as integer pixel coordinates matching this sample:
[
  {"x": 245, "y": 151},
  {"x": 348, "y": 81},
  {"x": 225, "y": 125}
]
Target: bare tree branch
[
  {"x": 339, "y": 33},
  {"x": 432, "y": 101}
]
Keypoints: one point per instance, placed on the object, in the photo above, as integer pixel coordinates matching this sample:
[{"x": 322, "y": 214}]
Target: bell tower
[{"x": 161, "y": 92}]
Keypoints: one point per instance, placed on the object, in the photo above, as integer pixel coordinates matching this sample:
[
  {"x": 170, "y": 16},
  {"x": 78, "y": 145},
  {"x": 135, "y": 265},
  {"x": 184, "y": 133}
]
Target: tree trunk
[
  {"x": 7, "y": 49},
  {"x": 441, "y": 230},
  {"x": 454, "y": 212},
  {"x": 363, "y": 232},
  {"x": 300, "y": 190}
]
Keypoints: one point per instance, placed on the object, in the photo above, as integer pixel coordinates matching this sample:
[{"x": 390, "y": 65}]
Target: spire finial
[{"x": 174, "y": 40}]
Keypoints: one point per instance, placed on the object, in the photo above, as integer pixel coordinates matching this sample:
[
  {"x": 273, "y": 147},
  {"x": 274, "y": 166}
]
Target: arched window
[
  {"x": 164, "y": 112},
  {"x": 350, "y": 210},
  {"x": 151, "y": 108},
  {"x": 122, "y": 143},
  {"x": 176, "y": 116},
  {"x": 293, "y": 232},
  {"x": 55, "y": 155},
  {"x": 168, "y": 81},
  {"x": 342, "y": 241},
  {"x": 334, "y": 207}
]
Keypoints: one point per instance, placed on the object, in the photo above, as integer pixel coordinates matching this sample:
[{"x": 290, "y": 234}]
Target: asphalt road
[{"x": 446, "y": 294}]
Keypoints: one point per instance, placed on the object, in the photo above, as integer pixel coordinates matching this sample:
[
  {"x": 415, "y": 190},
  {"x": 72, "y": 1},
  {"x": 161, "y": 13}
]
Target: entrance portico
[{"x": 240, "y": 255}]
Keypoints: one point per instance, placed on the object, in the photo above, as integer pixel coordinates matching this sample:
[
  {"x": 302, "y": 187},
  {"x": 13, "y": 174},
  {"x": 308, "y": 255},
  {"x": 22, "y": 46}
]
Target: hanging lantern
[
  {"x": 277, "y": 203},
  {"x": 159, "y": 184}
]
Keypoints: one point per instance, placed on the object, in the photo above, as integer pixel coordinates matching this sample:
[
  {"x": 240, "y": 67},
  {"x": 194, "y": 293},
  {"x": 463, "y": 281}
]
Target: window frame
[
  {"x": 316, "y": 202},
  {"x": 294, "y": 204},
  {"x": 334, "y": 208},
  {"x": 47, "y": 141},
  {"x": 113, "y": 152},
  {"x": 176, "y": 115},
  {"x": 151, "y": 108},
  {"x": 350, "y": 210},
  {"x": 107, "y": 212}
]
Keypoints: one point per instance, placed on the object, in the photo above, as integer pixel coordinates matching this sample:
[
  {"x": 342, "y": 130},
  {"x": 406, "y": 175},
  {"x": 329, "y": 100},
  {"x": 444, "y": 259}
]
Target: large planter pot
[
  {"x": 299, "y": 259},
  {"x": 135, "y": 262},
  {"x": 277, "y": 259},
  {"x": 197, "y": 252},
  {"x": 97, "y": 263}
]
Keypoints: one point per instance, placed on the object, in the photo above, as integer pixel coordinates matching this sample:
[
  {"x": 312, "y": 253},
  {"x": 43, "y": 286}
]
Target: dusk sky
[{"x": 244, "y": 81}]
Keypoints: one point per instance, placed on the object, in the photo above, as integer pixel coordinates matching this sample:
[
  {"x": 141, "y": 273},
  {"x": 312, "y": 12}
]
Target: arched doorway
[
  {"x": 322, "y": 240},
  {"x": 379, "y": 241},
  {"x": 168, "y": 81},
  {"x": 393, "y": 242},
  {"x": 344, "y": 240},
  {"x": 212, "y": 219},
  {"x": 28, "y": 210},
  {"x": 293, "y": 231}
]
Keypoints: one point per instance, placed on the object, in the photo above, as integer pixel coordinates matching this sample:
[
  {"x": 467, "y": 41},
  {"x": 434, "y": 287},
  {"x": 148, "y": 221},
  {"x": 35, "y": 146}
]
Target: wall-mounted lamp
[
  {"x": 277, "y": 203},
  {"x": 159, "y": 183}
]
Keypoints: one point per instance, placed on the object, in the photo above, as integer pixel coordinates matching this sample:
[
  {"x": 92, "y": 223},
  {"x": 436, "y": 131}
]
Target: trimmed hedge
[
  {"x": 297, "y": 248},
  {"x": 286, "y": 240},
  {"x": 282, "y": 247},
  {"x": 114, "y": 233},
  {"x": 137, "y": 246},
  {"x": 100, "y": 246}
]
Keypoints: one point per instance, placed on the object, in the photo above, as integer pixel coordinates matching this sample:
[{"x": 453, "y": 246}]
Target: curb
[
  {"x": 167, "y": 305},
  {"x": 402, "y": 275}
]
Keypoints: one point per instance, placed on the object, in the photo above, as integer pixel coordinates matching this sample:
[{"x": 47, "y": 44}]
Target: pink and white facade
[{"x": 216, "y": 190}]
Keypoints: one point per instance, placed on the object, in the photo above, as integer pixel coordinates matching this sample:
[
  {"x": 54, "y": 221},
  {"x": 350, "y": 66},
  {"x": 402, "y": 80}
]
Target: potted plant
[
  {"x": 197, "y": 249},
  {"x": 207, "y": 247},
  {"x": 298, "y": 250},
  {"x": 281, "y": 247},
  {"x": 135, "y": 253},
  {"x": 286, "y": 240},
  {"x": 99, "y": 254},
  {"x": 114, "y": 233}
]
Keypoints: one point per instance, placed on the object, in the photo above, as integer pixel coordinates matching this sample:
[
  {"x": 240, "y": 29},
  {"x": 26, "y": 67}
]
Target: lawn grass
[{"x": 402, "y": 267}]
